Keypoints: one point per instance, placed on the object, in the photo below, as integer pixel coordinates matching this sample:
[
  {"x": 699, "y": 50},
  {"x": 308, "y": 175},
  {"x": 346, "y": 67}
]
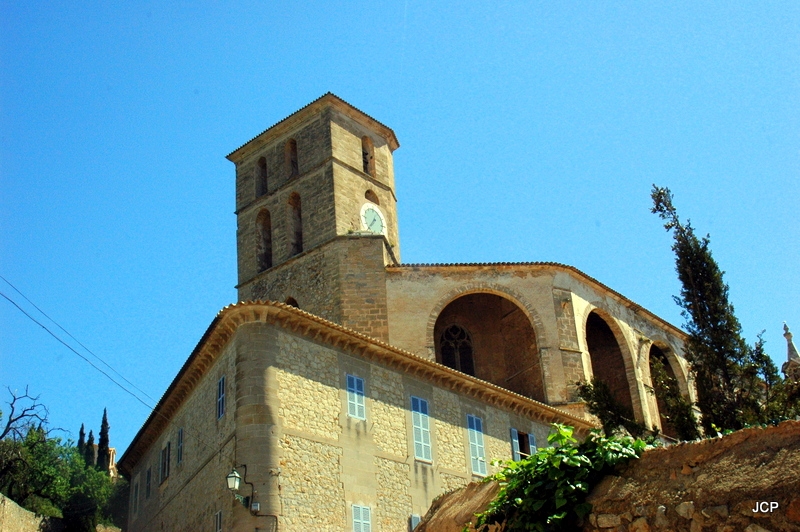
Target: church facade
[{"x": 348, "y": 389}]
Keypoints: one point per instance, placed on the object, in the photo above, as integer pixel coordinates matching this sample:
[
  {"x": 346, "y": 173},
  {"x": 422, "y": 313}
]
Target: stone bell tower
[{"x": 317, "y": 214}]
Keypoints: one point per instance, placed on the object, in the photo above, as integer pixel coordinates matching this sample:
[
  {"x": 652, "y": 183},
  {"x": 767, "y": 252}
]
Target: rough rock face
[
  {"x": 452, "y": 511},
  {"x": 709, "y": 485}
]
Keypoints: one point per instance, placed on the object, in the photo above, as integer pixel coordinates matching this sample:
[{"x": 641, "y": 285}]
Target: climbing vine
[{"x": 546, "y": 492}]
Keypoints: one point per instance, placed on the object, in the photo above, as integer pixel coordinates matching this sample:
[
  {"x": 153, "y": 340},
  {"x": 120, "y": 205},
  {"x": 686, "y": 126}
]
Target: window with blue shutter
[{"x": 422, "y": 431}]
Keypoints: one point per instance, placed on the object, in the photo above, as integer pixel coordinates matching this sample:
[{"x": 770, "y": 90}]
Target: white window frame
[
  {"x": 218, "y": 521},
  {"x": 517, "y": 452},
  {"x": 221, "y": 397},
  {"x": 362, "y": 518},
  {"x": 420, "y": 421},
  {"x": 414, "y": 520},
  {"x": 355, "y": 397},
  {"x": 477, "y": 450},
  {"x": 163, "y": 469}
]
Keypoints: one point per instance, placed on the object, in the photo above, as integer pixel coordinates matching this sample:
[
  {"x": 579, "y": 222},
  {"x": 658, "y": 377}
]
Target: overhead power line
[{"x": 150, "y": 407}]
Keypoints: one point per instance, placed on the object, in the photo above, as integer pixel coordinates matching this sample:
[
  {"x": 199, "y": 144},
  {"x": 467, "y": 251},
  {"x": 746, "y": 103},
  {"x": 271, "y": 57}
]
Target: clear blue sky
[{"x": 528, "y": 131}]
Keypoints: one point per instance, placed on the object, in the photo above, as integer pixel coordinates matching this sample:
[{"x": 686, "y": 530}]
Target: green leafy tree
[
  {"x": 102, "y": 444},
  {"x": 48, "y": 476},
  {"x": 546, "y": 492},
  {"x": 737, "y": 385}
]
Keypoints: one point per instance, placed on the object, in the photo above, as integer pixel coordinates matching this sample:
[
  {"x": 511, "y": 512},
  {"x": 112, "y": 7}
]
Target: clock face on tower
[{"x": 372, "y": 219}]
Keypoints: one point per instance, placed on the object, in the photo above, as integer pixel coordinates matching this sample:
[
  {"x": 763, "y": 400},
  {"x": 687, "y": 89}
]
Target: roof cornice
[
  {"x": 571, "y": 270},
  {"x": 317, "y": 329},
  {"x": 326, "y": 100}
]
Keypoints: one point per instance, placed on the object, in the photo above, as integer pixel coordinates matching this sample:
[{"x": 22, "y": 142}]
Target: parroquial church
[{"x": 346, "y": 389}]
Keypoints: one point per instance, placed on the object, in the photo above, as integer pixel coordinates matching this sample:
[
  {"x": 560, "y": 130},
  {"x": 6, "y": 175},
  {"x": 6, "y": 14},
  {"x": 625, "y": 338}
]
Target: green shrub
[{"x": 547, "y": 491}]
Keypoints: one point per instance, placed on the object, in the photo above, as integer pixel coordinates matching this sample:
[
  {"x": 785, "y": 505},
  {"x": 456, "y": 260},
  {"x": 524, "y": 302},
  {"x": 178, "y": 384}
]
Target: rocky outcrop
[{"x": 746, "y": 481}]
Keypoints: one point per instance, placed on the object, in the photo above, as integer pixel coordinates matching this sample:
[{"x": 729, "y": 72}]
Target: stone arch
[
  {"x": 678, "y": 370},
  {"x": 610, "y": 361},
  {"x": 503, "y": 340},
  {"x": 292, "y": 302},
  {"x": 370, "y": 195},
  {"x": 489, "y": 288},
  {"x": 657, "y": 353}
]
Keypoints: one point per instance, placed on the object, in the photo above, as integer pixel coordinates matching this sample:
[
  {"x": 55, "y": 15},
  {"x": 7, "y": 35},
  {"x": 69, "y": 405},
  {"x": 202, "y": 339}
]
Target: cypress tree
[
  {"x": 81, "y": 440},
  {"x": 88, "y": 452},
  {"x": 102, "y": 444},
  {"x": 730, "y": 376}
]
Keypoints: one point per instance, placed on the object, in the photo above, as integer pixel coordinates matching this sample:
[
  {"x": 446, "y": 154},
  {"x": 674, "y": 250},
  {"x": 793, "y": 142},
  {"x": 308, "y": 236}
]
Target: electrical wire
[
  {"x": 78, "y": 341},
  {"x": 151, "y": 408}
]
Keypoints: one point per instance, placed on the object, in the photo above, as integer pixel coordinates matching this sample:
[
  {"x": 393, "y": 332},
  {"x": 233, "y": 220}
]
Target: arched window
[
  {"x": 295, "y": 225},
  {"x": 261, "y": 177},
  {"x": 371, "y": 196},
  {"x": 456, "y": 348},
  {"x": 368, "y": 156},
  {"x": 292, "y": 302},
  {"x": 264, "y": 246},
  {"x": 292, "y": 166}
]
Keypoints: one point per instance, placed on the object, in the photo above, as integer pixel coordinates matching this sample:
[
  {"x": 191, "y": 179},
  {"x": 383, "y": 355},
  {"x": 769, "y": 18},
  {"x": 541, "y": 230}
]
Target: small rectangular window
[
  {"x": 422, "y": 430},
  {"x": 179, "y": 453},
  {"x": 164, "y": 463},
  {"x": 218, "y": 521},
  {"x": 221, "y": 397},
  {"x": 362, "y": 521},
  {"x": 148, "y": 477},
  {"x": 413, "y": 522},
  {"x": 355, "y": 397},
  {"x": 522, "y": 445},
  {"x": 135, "y": 494},
  {"x": 477, "y": 452}
]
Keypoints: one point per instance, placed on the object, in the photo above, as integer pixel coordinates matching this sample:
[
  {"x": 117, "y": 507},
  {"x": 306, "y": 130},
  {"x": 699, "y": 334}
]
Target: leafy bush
[{"x": 547, "y": 491}]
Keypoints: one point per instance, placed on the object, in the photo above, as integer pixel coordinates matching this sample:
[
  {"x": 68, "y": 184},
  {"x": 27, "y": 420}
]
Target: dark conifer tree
[
  {"x": 81, "y": 440},
  {"x": 88, "y": 452},
  {"x": 729, "y": 374},
  {"x": 102, "y": 444}
]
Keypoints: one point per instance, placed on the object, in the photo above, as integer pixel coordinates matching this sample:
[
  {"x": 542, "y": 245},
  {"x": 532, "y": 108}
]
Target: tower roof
[{"x": 326, "y": 100}]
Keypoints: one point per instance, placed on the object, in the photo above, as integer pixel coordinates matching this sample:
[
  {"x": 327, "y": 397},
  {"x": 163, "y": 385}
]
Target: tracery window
[{"x": 455, "y": 345}]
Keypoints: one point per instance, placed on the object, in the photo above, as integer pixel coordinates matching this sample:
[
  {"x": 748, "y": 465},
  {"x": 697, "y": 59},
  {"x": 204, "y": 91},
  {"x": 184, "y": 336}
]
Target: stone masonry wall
[
  {"x": 711, "y": 485},
  {"x": 329, "y": 461},
  {"x": 14, "y": 518},
  {"x": 317, "y": 208},
  {"x": 207, "y": 456}
]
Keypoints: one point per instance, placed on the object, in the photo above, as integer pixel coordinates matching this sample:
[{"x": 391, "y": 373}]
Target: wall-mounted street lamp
[{"x": 234, "y": 480}]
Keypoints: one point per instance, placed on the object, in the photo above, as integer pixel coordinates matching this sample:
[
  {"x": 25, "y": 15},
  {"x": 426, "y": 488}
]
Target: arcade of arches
[{"x": 491, "y": 338}]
